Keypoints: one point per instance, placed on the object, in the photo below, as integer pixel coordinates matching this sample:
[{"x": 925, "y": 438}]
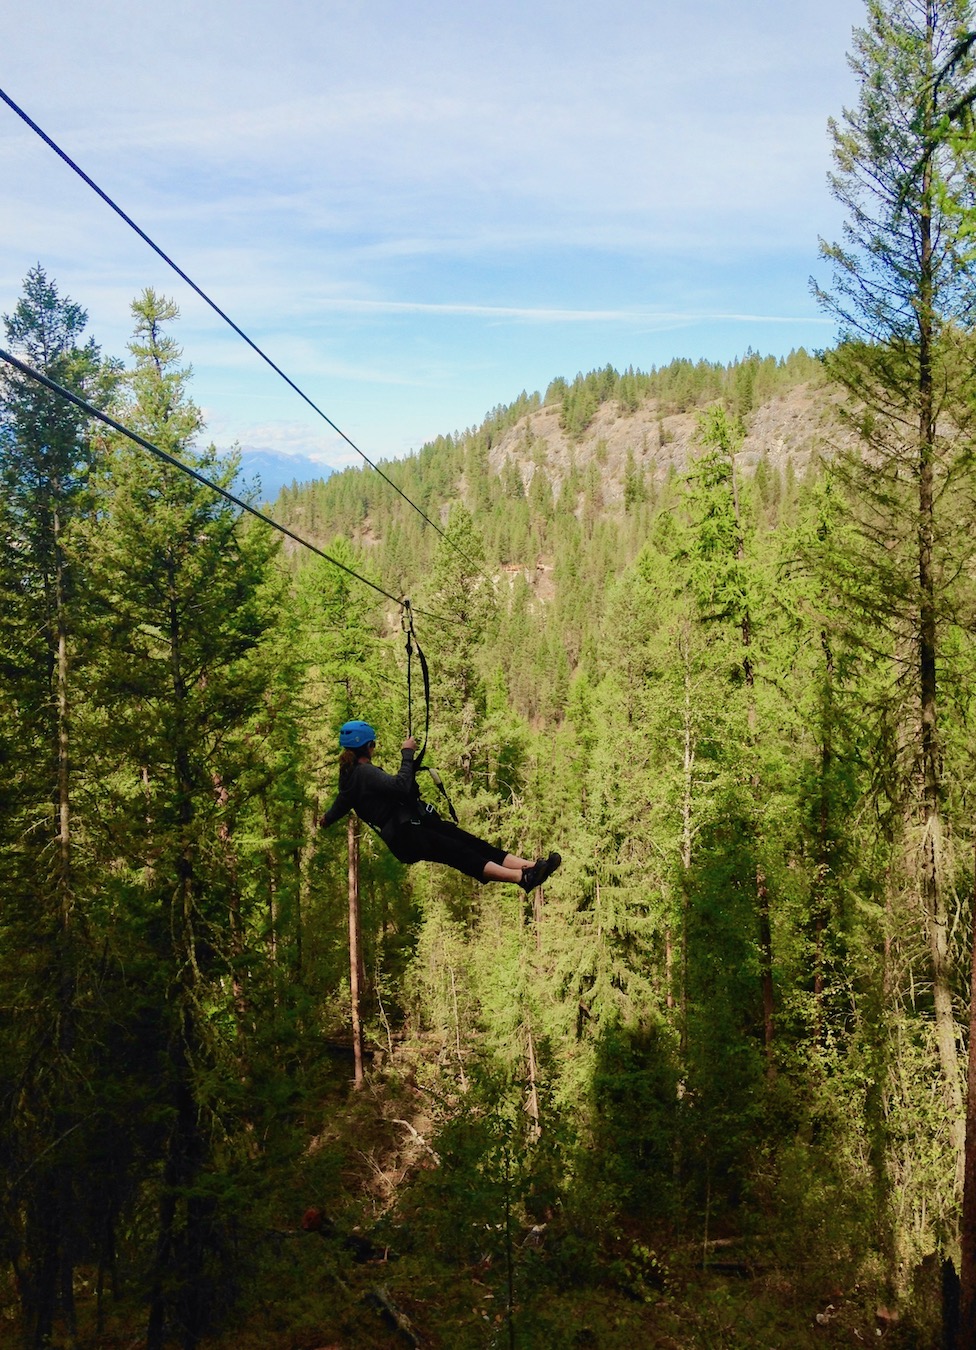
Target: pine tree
[
  {"x": 45, "y": 461},
  {"x": 902, "y": 296},
  {"x": 189, "y": 598},
  {"x": 724, "y": 576}
]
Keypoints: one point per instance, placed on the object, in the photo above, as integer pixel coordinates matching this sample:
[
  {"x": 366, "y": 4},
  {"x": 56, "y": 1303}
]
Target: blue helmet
[{"x": 354, "y": 735}]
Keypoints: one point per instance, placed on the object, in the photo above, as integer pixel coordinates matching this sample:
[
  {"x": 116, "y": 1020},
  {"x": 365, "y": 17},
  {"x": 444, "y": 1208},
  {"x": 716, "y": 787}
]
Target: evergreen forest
[{"x": 709, "y": 631}]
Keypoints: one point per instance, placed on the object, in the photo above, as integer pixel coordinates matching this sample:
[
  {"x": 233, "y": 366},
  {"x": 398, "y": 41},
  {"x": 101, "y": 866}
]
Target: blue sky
[{"x": 421, "y": 209}]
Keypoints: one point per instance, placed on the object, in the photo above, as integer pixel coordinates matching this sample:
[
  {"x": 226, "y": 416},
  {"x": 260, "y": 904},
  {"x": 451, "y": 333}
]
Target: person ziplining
[{"x": 411, "y": 829}]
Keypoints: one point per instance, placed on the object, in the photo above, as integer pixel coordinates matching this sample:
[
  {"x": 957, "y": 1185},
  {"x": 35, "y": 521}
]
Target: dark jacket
[{"x": 379, "y": 798}]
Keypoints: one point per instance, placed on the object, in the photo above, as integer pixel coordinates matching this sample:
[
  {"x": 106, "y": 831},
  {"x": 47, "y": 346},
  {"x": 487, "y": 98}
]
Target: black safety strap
[
  {"x": 407, "y": 622},
  {"x": 438, "y": 782},
  {"x": 418, "y": 764}
]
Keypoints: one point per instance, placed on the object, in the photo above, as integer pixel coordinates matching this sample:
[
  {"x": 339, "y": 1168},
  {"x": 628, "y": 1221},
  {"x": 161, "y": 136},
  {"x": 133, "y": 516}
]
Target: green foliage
[
  {"x": 704, "y": 1027},
  {"x": 636, "y": 1115},
  {"x": 48, "y": 971},
  {"x": 902, "y": 282}
]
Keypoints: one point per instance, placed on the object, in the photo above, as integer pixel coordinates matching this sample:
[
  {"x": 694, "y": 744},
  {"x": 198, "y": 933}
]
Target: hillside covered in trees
[{"x": 707, "y": 630}]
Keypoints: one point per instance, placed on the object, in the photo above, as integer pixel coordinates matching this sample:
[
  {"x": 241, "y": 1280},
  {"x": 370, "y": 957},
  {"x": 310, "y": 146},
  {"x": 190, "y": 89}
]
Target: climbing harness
[{"x": 406, "y": 621}]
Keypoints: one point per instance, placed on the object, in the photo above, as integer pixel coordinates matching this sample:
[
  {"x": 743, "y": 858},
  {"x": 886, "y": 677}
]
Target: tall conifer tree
[
  {"x": 45, "y": 461},
  {"x": 189, "y": 600},
  {"x": 903, "y": 295}
]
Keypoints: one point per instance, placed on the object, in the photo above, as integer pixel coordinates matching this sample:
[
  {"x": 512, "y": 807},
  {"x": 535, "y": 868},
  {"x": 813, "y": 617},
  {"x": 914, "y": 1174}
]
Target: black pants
[{"x": 441, "y": 841}]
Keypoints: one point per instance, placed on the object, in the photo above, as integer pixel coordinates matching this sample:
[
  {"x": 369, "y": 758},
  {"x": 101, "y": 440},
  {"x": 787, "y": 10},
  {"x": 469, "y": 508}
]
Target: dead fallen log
[{"x": 379, "y": 1298}]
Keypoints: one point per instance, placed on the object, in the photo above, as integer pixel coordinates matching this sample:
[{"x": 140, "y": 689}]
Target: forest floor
[
  {"x": 712, "y": 1313},
  {"x": 291, "y": 1278},
  {"x": 313, "y": 1297}
]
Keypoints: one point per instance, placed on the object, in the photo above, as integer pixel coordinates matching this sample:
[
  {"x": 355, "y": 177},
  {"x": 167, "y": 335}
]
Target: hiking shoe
[{"x": 536, "y": 874}]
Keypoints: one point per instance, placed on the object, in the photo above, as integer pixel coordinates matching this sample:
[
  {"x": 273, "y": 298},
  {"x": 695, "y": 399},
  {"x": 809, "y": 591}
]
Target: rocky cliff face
[{"x": 792, "y": 428}]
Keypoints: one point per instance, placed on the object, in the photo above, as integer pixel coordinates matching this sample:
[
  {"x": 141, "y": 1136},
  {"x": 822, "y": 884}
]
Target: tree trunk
[
  {"x": 176, "y": 1270},
  {"x": 824, "y": 861},
  {"x": 64, "y": 803},
  {"x": 533, "y": 1083},
  {"x": 966, "y": 1336},
  {"x": 762, "y": 887},
  {"x": 271, "y": 862},
  {"x": 67, "y": 975},
  {"x": 355, "y": 942},
  {"x": 932, "y": 882},
  {"x": 686, "y": 842},
  {"x": 457, "y": 1032},
  {"x": 175, "y": 1288}
]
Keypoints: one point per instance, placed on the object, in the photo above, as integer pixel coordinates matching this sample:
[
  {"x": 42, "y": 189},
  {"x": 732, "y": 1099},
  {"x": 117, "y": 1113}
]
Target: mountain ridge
[
  {"x": 274, "y": 470},
  {"x": 794, "y": 427}
]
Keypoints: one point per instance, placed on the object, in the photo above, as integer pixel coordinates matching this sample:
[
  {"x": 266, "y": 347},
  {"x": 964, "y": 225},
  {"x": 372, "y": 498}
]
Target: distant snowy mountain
[{"x": 270, "y": 471}]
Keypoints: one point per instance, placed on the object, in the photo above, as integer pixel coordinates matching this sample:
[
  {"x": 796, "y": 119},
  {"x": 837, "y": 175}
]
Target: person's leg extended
[
  {"x": 441, "y": 841},
  {"x": 444, "y": 842},
  {"x": 504, "y": 872}
]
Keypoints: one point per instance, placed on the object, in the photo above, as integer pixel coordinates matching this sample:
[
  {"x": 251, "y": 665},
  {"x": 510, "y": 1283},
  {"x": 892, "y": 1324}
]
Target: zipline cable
[
  {"x": 175, "y": 463},
  {"x": 62, "y": 154}
]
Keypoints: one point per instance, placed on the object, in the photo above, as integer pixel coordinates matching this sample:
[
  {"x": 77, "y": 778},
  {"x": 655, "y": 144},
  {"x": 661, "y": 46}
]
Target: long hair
[{"x": 349, "y": 759}]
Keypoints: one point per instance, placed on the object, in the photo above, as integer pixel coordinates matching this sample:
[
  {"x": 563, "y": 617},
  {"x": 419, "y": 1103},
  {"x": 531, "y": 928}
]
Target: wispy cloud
[
  {"x": 628, "y": 186},
  {"x": 537, "y": 314}
]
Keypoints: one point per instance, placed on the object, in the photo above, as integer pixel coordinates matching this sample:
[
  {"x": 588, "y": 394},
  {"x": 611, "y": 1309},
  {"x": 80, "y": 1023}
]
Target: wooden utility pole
[
  {"x": 355, "y": 945},
  {"x": 533, "y": 1103}
]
